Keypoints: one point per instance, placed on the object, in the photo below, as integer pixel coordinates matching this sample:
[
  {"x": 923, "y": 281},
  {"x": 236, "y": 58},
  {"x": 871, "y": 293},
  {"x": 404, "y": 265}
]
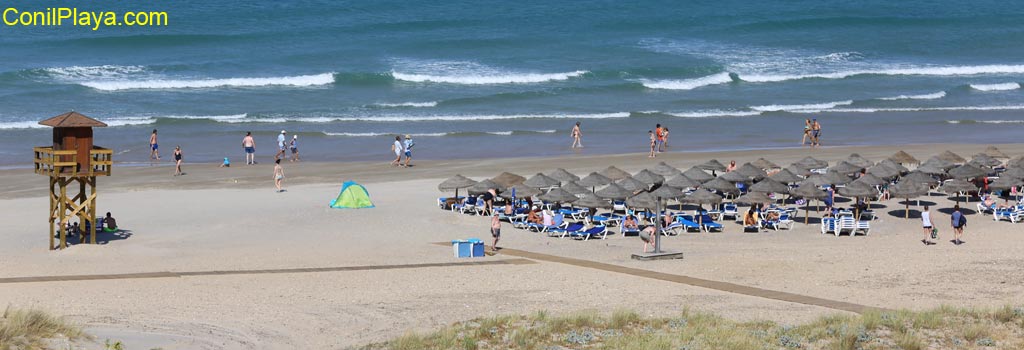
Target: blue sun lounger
[{"x": 599, "y": 230}]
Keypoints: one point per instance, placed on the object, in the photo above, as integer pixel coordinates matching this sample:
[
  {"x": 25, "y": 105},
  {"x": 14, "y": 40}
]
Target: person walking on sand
[
  {"x": 576, "y": 135},
  {"x": 654, "y": 143},
  {"x": 926, "y": 224},
  {"x": 815, "y": 133},
  {"x": 495, "y": 230},
  {"x": 249, "y": 144},
  {"x": 280, "y": 145},
  {"x": 397, "y": 148},
  {"x": 278, "y": 175},
  {"x": 177, "y": 161},
  {"x": 154, "y": 148},
  {"x": 294, "y": 146},
  {"x": 408, "y": 149},
  {"x": 807, "y": 132},
  {"x": 958, "y": 221}
]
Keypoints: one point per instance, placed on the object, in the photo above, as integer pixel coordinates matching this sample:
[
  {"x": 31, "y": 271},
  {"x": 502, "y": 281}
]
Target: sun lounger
[
  {"x": 684, "y": 223},
  {"x": 599, "y": 230},
  {"x": 783, "y": 222},
  {"x": 709, "y": 225},
  {"x": 467, "y": 205},
  {"x": 730, "y": 210},
  {"x": 1010, "y": 214},
  {"x": 828, "y": 225},
  {"x": 566, "y": 230}
]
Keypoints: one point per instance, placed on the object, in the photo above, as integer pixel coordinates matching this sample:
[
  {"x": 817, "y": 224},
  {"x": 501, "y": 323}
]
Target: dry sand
[{"x": 231, "y": 219}]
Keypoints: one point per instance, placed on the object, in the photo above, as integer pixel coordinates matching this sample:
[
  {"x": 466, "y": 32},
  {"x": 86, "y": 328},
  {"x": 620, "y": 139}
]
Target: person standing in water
[
  {"x": 278, "y": 175},
  {"x": 664, "y": 139},
  {"x": 408, "y": 149},
  {"x": 807, "y": 132},
  {"x": 576, "y": 135},
  {"x": 177, "y": 161},
  {"x": 154, "y": 148},
  {"x": 249, "y": 144},
  {"x": 294, "y": 146},
  {"x": 815, "y": 133},
  {"x": 280, "y": 145}
]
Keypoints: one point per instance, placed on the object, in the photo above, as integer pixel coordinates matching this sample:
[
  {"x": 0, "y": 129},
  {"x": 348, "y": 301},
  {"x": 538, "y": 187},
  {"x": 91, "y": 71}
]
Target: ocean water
[{"x": 497, "y": 79}]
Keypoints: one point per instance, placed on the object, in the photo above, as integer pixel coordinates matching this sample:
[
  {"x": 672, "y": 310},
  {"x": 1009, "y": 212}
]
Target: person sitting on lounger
[
  {"x": 989, "y": 202},
  {"x": 630, "y": 223},
  {"x": 110, "y": 223},
  {"x": 668, "y": 220},
  {"x": 750, "y": 219},
  {"x": 533, "y": 217},
  {"x": 549, "y": 218},
  {"x": 773, "y": 216}
]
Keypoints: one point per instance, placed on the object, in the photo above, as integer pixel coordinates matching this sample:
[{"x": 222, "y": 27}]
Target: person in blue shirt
[
  {"x": 958, "y": 221},
  {"x": 226, "y": 164},
  {"x": 408, "y": 149}
]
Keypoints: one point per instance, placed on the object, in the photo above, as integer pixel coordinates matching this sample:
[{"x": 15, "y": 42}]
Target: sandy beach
[{"x": 230, "y": 220}]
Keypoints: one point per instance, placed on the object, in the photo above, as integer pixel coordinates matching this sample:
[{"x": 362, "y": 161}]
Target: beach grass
[
  {"x": 28, "y": 328},
  {"x": 944, "y": 327}
]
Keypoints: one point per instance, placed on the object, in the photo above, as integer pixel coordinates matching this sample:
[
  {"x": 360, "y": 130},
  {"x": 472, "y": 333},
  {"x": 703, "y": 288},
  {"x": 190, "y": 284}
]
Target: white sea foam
[
  {"x": 996, "y": 87},
  {"x": 93, "y": 72},
  {"x": 928, "y": 109},
  {"x": 483, "y": 79},
  {"x": 985, "y": 121},
  {"x": 407, "y": 104},
  {"x": 128, "y": 121},
  {"x": 801, "y": 108},
  {"x": 549, "y": 131},
  {"x": 924, "y": 70},
  {"x": 932, "y": 96},
  {"x": 500, "y": 133},
  {"x": 714, "y": 113},
  {"x": 219, "y": 118},
  {"x": 688, "y": 84},
  {"x": 21, "y": 125},
  {"x": 418, "y": 118},
  {"x": 300, "y": 80},
  {"x": 373, "y": 134}
]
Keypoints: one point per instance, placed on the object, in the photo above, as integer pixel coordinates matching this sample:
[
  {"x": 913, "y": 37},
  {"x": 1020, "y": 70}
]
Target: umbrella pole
[
  {"x": 657, "y": 226},
  {"x": 807, "y": 211},
  {"x": 907, "y": 214}
]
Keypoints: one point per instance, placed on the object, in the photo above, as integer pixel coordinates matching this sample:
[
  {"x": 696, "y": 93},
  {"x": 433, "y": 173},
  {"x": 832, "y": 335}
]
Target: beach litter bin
[
  {"x": 478, "y": 247},
  {"x": 462, "y": 248}
]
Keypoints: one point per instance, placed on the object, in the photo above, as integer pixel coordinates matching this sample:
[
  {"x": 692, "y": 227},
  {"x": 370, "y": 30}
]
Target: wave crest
[
  {"x": 996, "y": 87},
  {"x": 485, "y": 79},
  {"x": 932, "y": 96},
  {"x": 689, "y": 84},
  {"x": 802, "y": 108},
  {"x": 300, "y": 80}
]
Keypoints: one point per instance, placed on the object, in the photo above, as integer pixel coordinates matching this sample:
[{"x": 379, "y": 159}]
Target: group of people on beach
[
  {"x": 154, "y": 153},
  {"x": 957, "y": 220},
  {"x": 248, "y": 145},
  {"x": 402, "y": 149},
  {"x": 659, "y": 140},
  {"x": 812, "y": 133}
]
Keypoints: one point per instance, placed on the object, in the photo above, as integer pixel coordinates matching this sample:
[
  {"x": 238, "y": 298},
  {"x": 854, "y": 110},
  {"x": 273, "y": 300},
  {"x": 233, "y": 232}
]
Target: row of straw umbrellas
[{"x": 648, "y": 188}]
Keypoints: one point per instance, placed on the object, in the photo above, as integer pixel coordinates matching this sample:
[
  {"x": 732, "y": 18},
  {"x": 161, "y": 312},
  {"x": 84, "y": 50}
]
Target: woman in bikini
[
  {"x": 807, "y": 132},
  {"x": 278, "y": 175},
  {"x": 177, "y": 161}
]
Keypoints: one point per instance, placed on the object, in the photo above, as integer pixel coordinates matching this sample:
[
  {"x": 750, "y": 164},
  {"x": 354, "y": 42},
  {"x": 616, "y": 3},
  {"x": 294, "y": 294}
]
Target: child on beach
[
  {"x": 294, "y": 146},
  {"x": 278, "y": 175},
  {"x": 495, "y": 230},
  {"x": 226, "y": 163}
]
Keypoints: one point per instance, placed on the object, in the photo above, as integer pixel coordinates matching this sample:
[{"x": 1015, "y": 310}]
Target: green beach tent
[{"x": 352, "y": 196}]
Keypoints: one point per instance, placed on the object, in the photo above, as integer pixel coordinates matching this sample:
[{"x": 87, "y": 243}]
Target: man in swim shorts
[
  {"x": 250, "y": 148},
  {"x": 154, "y": 148}
]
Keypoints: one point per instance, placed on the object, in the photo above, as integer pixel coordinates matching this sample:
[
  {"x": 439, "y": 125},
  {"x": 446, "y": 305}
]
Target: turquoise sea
[{"x": 509, "y": 78}]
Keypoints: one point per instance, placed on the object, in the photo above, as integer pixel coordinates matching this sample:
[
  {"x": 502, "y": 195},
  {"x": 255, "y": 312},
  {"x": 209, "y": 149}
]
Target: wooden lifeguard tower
[{"x": 72, "y": 159}]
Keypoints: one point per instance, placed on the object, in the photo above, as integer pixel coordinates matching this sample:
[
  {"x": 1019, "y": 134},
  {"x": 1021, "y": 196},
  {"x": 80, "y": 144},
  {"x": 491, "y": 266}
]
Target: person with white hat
[
  {"x": 408, "y": 149},
  {"x": 295, "y": 148},
  {"x": 280, "y": 145}
]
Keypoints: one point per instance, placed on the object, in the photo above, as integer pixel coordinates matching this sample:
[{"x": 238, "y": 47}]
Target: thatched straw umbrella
[
  {"x": 1016, "y": 173},
  {"x": 785, "y": 176},
  {"x": 808, "y": 191},
  {"x": 614, "y": 192},
  {"x": 455, "y": 183},
  {"x": 1005, "y": 182},
  {"x": 667, "y": 192},
  {"x": 994, "y": 152},
  {"x": 798, "y": 171},
  {"x": 769, "y": 186},
  {"x": 751, "y": 171},
  {"x": 966, "y": 171},
  {"x": 575, "y": 188},
  {"x": 931, "y": 169},
  {"x": 907, "y": 190},
  {"x": 985, "y": 161},
  {"x": 889, "y": 163},
  {"x": 845, "y": 167},
  {"x": 681, "y": 181},
  {"x": 520, "y": 191},
  {"x": 883, "y": 171},
  {"x": 904, "y": 158},
  {"x": 764, "y": 164},
  {"x": 734, "y": 176},
  {"x": 713, "y": 165},
  {"x": 696, "y": 174},
  {"x": 633, "y": 185},
  {"x": 1017, "y": 162},
  {"x": 871, "y": 180},
  {"x": 559, "y": 195},
  {"x": 920, "y": 178},
  {"x": 648, "y": 177},
  {"x": 484, "y": 186},
  {"x": 508, "y": 179},
  {"x": 614, "y": 173},
  {"x": 665, "y": 170},
  {"x": 701, "y": 197},
  {"x": 811, "y": 163},
  {"x": 721, "y": 185},
  {"x": 857, "y": 160},
  {"x": 952, "y": 157},
  {"x": 857, "y": 190},
  {"x": 957, "y": 186},
  {"x": 754, "y": 198},
  {"x": 592, "y": 202},
  {"x": 835, "y": 178},
  {"x": 593, "y": 180},
  {"x": 939, "y": 163},
  {"x": 562, "y": 175},
  {"x": 541, "y": 181}
]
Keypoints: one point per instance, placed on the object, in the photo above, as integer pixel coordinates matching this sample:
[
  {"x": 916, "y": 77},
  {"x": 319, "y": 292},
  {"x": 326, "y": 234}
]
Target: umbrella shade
[
  {"x": 681, "y": 181},
  {"x": 835, "y": 178},
  {"x": 614, "y": 191},
  {"x": 762, "y": 163},
  {"x": 753, "y": 198},
  {"x": 574, "y": 188},
  {"x": 643, "y": 200},
  {"x": 920, "y": 178},
  {"x": 648, "y": 177},
  {"x": 845, "y": 167},
  {"x": 985, "y": 160},
  {"x": 889, "y": 163},
  {"x": 521, "y": 191},
  {"x": 870, "y": 180},
  {"x": 857, "y": 190},
  {"x": 508, "y": 179},
  {"x": 857, "y": 160},
  {"x": 939, "y": 163},
  {"x": 541, "y": 181},
  {"x": 751, "y": 171},
  {"x": 562, "y": 175},
  {"x": 559, "y": 195},
  {"x": 614, "y": 173},
  {"x": 908, "y": 189},
  {"x": 994, "y": 152},
  {"x": 967, "y": 171},
  {"x": 1004, "y": 183},
  {"x": 633, "y": 185},
  {"x": 665, "y": 170},
  {"x": 696, "y": 174},
  {"x": 904, "y": 158},
  {"x": 667, "y": 192},
  {"x": 956, "y": 186},
  {"x": 592, "y": 201},
  {"x": 455, "y": 182},
  {"x": 785, "y": 176},
  {"x": 483, "y": 186},
  {"x": 734, "y": 176},
  {"x": 769, "y": 186},
  {"x": 811, "y": 163},
  {"x": 594, "y": 180},
  {"x": 702, "y": 196},
  {"x": 719, "y": 184},
  {"x": 798, "y": 171},
  {"x": 1017, "y": 173},
  {"x": 883, "y": 171},
  {"x": 930, "y": 169},
  {"x": 713, "y": 165},
  {"x": 808, "y": 190},
  {"x": 951, "y": 157}
]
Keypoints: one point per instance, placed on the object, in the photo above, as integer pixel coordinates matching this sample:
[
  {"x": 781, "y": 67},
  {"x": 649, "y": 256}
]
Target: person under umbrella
[
  {"x": 455, "y": 183},
  {"x": 808, "y": 191}
]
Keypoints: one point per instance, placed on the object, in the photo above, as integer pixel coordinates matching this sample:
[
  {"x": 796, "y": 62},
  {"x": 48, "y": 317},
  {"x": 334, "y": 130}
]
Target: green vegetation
[
  {"x": 941, "y": 328},
  {"x": 27, "y": 329}
]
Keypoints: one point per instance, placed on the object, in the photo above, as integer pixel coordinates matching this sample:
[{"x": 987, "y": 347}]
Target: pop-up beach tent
[{"x": 352, "y": 196}]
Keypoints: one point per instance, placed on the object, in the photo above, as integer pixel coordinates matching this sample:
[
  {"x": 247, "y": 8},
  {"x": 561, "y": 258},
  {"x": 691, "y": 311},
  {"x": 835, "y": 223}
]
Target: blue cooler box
[
  {"x": 478, "y": 247},
  {"x": 463, "y": 248}
]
